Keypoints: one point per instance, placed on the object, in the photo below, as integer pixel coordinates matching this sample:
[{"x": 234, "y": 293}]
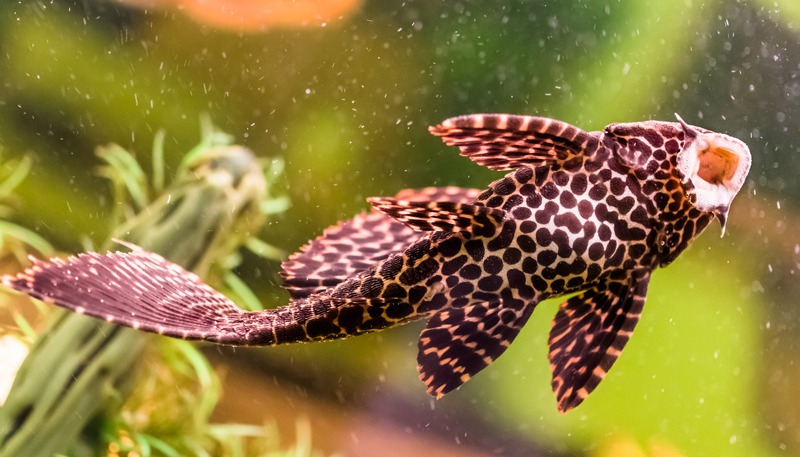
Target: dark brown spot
[
  {"x": 521, "y": 212},
  {"x": 561, "y": 178},
  {"x": 546, "y": 257},
  {"x": 490, "y": 283},
  {"x": 543, "y": 237},
  {"x": 512, "y": 256},
  {"x": 654, "y": 138},
  {"x": 579, "y": 184},
  {"x": 516, "y": 279},
  {"x": 549, "y": 191},
  {"x": 623, "y": 205},
  {"x": 580, "y": 245},
  {"x": 598, "y": 192},
  {"x": 470, "y": 271},
  {"x": 320, "y": 327},
  {"x": 561, "y": 240},
  {"x": 514, "y": 200},
  {"x": 399, "y": 310},
  {"x": 504, "y": 239},
  {"x": 505, "y": 186},
  {"x": 527, "y": 190},
  {"x": 672, "y": 146},
  {"x": 350, "y": 317},
  {"x": 495, "y": 201},
  {"x": 596, "y": 251},
  {"x": 617, "y": 186},
  {"x": 475, "y": 249},
  {"x": 527, "y": 244},
  {"x": 416, "y": 293},
  {"x": 463, "y": 289},
  {"x": 419, "y": 273},
  {"x": 523, "y": 174},
  {"x": 527, "y": 226},
  {"x": 394, "y": 290},
  {"x": 529, "y": 265},
  {"x": 493, "y": 264},
  {"x": 568, "y": 220},
  {"x": 567, "y": 200},
  {"x": 452, "y": 266},
  {"x": 450, "y": 246}
]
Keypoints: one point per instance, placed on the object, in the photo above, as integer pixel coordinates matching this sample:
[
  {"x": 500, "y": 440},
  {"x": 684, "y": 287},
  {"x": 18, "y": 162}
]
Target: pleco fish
[{"x": 592, "y": 212}]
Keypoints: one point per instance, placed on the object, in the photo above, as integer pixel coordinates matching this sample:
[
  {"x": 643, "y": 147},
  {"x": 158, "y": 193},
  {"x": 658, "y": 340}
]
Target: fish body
[{"x": 588, "y": 212}]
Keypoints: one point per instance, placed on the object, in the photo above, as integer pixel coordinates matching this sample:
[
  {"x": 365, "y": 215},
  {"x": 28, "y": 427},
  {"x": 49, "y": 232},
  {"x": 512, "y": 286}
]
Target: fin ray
[
  {"x": 507, "y": 142},
  {"x": 139, "y": 289},
  {"x": 355, "y": 245},
  {"x": 438, "y": 216},
  {"x": 457, "y": 343},
  {"x": 589, "y": 332}
]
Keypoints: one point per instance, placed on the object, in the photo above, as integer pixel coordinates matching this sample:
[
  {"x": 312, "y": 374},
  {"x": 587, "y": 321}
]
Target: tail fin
[
  {"x": 139, "y": 289},
  {"x": 144, "y": 291}
]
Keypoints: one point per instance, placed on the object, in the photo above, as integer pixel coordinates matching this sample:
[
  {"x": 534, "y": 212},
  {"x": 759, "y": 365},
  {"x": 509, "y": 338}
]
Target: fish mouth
[
  {"x": 717, "y": 165},
  {"x": 714, "y": 167}
]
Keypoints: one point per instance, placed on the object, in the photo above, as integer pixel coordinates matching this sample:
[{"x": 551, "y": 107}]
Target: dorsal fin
[
  {"x": 439, "y": 216},
  {"x": 589, "y": 332},
  {"x": 506, "y": 141},
  {"x": 355, "y": 245}
]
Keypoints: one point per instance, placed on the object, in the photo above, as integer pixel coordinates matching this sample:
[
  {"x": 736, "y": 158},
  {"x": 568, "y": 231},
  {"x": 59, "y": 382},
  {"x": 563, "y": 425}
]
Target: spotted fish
[{"x": 591, "y": 213}]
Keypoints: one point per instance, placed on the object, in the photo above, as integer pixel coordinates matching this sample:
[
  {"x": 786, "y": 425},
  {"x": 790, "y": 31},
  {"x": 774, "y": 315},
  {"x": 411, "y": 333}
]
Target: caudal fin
[{"x": 139, "y": 289}]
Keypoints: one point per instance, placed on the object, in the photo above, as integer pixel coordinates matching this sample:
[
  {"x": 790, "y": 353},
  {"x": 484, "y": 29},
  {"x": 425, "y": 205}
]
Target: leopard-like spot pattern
[{"x": 588, "y": 212}]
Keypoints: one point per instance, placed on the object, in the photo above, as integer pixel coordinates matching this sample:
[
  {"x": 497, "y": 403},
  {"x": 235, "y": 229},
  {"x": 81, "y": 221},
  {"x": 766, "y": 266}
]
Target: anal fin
[
  {"x": 438, "y": 216},
  {"x": 589, "y": 332}
]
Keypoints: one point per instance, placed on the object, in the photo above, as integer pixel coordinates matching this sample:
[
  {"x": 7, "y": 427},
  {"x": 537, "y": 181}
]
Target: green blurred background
[{"x": 346, "y": 101}]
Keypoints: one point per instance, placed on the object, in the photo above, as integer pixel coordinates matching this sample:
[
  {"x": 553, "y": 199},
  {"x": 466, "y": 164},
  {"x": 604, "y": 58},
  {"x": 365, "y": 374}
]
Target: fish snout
[{"x": 716, "y": 166}]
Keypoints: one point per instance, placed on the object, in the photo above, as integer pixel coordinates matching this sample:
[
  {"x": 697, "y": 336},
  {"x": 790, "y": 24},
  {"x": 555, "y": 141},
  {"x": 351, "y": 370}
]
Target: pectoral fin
[
  {"x": 441, "y": 216},
  {"x": 589, "y": 332},
  {"x": 457, "y": 343}
]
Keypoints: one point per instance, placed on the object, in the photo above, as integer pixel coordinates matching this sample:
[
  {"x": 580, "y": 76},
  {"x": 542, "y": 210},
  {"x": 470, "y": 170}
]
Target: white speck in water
[
  {"x": 308, "y": 91},
  {"x": 626, "y": 69},
  {"x": 769, "y": 267},
  {"x": 733, "y": 439}
]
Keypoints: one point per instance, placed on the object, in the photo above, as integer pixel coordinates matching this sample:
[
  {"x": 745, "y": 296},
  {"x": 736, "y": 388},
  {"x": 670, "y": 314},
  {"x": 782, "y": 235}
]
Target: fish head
[{"x": 713, "y": 168}]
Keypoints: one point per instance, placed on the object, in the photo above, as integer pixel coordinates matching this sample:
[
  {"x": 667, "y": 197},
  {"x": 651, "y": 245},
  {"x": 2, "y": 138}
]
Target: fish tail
[{"x": 144, "y": 291}]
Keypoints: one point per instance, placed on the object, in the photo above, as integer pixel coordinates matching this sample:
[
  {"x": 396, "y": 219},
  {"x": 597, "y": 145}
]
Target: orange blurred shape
[{"x": 259, "y": 15}]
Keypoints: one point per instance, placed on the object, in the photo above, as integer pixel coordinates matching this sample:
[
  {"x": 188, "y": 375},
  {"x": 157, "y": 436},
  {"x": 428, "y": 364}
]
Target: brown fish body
[{"x": 595, "y": 212}]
